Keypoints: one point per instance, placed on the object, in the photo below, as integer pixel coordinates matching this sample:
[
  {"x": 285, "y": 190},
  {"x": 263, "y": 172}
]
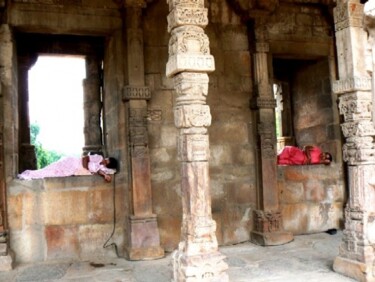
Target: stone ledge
[{"x": 354, "y": 269}]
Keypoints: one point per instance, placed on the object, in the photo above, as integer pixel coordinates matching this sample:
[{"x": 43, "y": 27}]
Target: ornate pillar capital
[{"x": 348, "y": 14}]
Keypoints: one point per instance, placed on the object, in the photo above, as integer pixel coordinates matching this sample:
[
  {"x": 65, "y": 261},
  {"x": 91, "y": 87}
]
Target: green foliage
[{"x": 44, "y": 157}]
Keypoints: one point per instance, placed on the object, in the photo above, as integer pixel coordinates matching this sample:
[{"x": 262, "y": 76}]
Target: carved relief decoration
[
  {"x": 267, "y": 221},
  {"x": 356, "y": 106},
  {"x": 136, "y": 93},
  {"x": 358, "y": 128},
  {"x": 351, "y": 84},
  {"x": 192, "y": 116},
  {"x": 188, "y": 39},
  {"x": 266, "y": 131},
  {"x": 191, "y": 87},
  {"x": 193, "y": 3},
  {"x": 348, "y": 14},
  {"x": 187, "y": 15},
  {"x": 356, "y": 242},
  {"x": 359, "y": 150},
  {"x": 154, "y": 115},
  {"x": 138, "y": 132}
]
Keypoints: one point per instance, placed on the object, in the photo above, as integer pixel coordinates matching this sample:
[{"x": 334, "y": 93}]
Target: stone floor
[{"x": 307, "y": 258}]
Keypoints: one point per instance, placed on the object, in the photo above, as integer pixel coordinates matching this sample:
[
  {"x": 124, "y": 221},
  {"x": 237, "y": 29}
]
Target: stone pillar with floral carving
[
  {"x": 92, "y": 106},
  {"x": 144, "y": 238},
  {"x": 268, "y": 225},
  {"x": 197, "y": 257},
  {"x": 356, "y": 254}
]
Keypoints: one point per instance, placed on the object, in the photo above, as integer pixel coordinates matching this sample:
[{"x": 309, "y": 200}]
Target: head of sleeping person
[{"x": 326, "y": 158}]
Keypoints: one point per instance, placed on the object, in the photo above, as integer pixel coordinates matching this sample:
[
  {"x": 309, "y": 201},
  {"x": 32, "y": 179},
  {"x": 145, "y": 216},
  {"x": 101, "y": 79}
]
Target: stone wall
[
  {"x": 312, "y": 198},
  {"x": 64, "y": 218}
]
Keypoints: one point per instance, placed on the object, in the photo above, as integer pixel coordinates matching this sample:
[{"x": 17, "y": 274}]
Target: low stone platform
[{"x": 308, "y": 258}]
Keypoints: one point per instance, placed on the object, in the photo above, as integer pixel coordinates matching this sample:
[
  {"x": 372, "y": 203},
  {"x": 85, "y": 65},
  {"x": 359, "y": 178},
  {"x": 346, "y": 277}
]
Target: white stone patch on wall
[
  {"x": 168, "y": 136},
  {"x": 246, "y": 215},
  {"x": 160, "y": 155},
  {"x": 177, "y": 189},
  {"x": 242, "y": 234},
  {"x": 162, "y": 174},
  {"x": 217, "y": 189},
  {"x": 220, "y": 154}
]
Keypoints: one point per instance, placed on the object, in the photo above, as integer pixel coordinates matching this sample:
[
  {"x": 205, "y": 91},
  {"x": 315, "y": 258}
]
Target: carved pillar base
[
  {"x": 205, "y": 267},
  {"x": 268, "y": 230},
  {"x": 144, "y": 243},
  {"x": 271, "y": 238},
  {"x": 6, "y": 254},
  {"x": 354, "y": 269},
  {"x": 6, "y": 262}
]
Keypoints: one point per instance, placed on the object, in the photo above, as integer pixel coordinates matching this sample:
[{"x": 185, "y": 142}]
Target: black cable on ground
[{"x": 114, "y": 220}]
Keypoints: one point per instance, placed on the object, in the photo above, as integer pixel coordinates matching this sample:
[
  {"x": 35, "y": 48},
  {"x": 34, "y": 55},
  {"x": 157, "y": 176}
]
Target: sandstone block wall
[
  {"x": 64, "y": 218},
  {"x": 312, "y": 198}
]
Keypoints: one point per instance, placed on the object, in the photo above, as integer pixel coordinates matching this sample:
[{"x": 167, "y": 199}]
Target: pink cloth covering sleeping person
[{"x": 68, "y": 166}]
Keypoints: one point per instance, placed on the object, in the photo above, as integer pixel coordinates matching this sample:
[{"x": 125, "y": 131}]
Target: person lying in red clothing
[{"x": 292, "y": 155}]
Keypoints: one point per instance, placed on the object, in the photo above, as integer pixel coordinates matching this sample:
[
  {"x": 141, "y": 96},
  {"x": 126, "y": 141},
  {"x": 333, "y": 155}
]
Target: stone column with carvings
[
  {"x": 6, "y": 130},
  {"x": 356, "y": 254},
  {"x": 197, "y": 257},
  {"x": 92, "y": 107},
  {"x": 144, "y": 238},
  {"x": 27, "y": 159},
  {"x": 268, "y": 226}
]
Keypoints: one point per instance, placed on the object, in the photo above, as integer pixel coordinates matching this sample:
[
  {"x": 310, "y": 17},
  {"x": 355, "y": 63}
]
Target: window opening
[
  {"x": 283, "y": 121},
  {"x": 55, "y": 85},
  {"x": 277, "y": 91}
]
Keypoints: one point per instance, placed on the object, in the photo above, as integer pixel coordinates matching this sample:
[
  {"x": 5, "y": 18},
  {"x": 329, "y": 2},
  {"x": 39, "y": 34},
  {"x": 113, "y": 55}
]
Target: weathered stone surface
[
  {"x": 144, "y": 240},
  {"x": 62, "y": 242},
  {"x": 7, "y": 262},
  {"x": 15, "y": 211},
  {"x": 93, "y": 237},
  {"x": 291, "y": 193},
  {"x": 65, "y": 208}
]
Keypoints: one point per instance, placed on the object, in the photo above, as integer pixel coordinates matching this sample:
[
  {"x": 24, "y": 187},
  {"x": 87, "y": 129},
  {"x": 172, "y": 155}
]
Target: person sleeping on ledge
[
  {"x": 70, "y": 166},
  {"x": 292, "y": 155}
]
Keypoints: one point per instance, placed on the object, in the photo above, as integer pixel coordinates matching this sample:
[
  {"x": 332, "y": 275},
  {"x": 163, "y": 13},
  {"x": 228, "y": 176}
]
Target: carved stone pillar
[
  {"x": 197, "y": 257},
  {"x": 356, "y": 255},
  {"x": 92, "y": 106},
  {"x": 27, "y": 159},
  {"x": 268, "y": 229},
  {"x": 144, "y": 239},
  {"x": 6, "y": 56}
]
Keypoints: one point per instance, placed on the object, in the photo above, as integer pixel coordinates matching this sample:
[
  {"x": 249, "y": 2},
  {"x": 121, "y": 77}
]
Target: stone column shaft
[
  {"x": 92, "y": 106},
  {"x": 197, "y": 257},
  {"x": 6, "y": 92},
  {"x": 268, "y": 229},
  {"x": 27, "y": 158},
  {"x": 144, "y": 238},
  {"x": 356, "y": 254}
]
